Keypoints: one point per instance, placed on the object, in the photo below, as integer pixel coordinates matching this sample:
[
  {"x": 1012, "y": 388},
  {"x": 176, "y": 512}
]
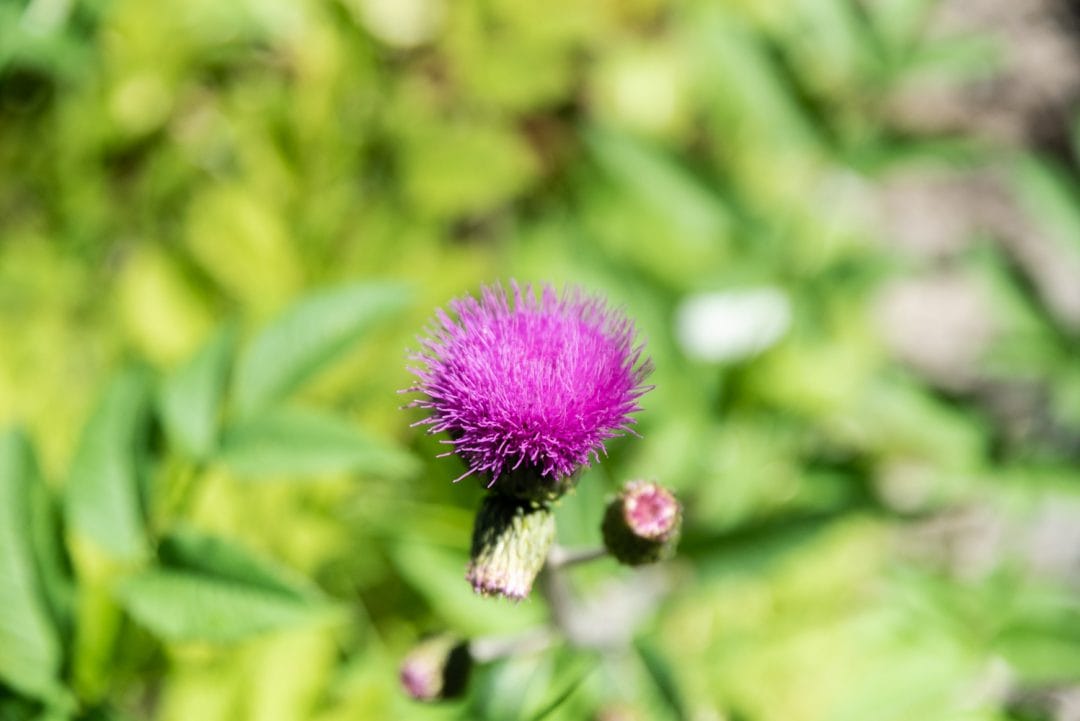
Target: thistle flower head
[{"x": 529, "y": 386}]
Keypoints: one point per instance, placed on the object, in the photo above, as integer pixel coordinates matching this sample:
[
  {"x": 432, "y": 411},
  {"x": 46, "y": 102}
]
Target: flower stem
[
  {"x": 491, "y": 648},
  {"x": 565, "y": 557}
]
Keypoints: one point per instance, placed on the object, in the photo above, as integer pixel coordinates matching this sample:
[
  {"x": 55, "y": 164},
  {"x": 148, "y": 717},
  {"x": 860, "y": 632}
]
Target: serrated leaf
[
  {"x": 307, "y": 337},
  {"x": 191, "y": 397},
  {"x": 30, "y": 652},
  {"x": 190, "y": 550},
  {"x": 209, "y": 588},
  {"x": 102, "y": 493},
  {"x": 188, "y": 606},
  {"x": 290, "y": 442}
]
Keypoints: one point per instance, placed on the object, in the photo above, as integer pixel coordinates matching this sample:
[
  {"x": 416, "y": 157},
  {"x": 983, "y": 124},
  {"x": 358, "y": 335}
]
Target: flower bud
[
  {"x": 641, "y": 525},
  {"x": 437, "y": 668},
  {"x": 510, "y": 543}
]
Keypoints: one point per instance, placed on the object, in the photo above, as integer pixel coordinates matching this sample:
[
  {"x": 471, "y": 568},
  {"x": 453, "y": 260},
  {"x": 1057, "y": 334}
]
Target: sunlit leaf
[
  {"x": 308, "y": 337},
  {"x": 30, "y": 653},
  {"x": 287, "y": 442},
  {"x": 656, "y": 179},
  {"x": 1052, "y": 197},
  {"x": 191, "y": 550},
  {"x": 102, "y": 492},
  {"x": 664, "y": 676},
  {"x": 438, "y": 575},
  {"x": 191, "y": 397},
  {"x": 566, "y": 683},
  {"x": 53, "y": 564},
  {"x": 208, "y": 588},
  {"x": 187, "y": 606}
]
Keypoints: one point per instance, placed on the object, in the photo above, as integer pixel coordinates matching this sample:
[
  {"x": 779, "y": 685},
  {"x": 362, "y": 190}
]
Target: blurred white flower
[{"x": 732, "y": 325}]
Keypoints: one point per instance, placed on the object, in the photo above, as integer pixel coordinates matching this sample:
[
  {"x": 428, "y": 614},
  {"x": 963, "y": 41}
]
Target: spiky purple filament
[{"x": 530, "y": 381}]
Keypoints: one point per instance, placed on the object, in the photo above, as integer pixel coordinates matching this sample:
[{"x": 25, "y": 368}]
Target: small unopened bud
[
  {"x": 642, "y": 524},
  {"x": 437, "y": 668},
  {"x": 510, "y": 543}
]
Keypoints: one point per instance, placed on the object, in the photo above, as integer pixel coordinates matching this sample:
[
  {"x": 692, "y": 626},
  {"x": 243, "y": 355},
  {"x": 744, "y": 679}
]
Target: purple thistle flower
[{"x": 527, "y": 384}]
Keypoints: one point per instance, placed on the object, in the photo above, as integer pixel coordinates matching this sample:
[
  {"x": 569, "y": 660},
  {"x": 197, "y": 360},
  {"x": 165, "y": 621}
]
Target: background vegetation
[{"x": 222, "y": 224}]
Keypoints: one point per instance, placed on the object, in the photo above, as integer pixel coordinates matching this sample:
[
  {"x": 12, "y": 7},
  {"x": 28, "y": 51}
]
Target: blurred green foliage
[{"x": 223, "y": 224}]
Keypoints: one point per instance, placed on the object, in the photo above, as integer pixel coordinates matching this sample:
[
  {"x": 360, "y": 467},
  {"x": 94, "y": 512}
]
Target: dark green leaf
[
  {"x": 102, "y": 497},
  {"x": 305, "y": 443},
  {"x": 191, "y": 397},
  {"x": 307, "y": 337},
  {"x": 30, "y": 653}
]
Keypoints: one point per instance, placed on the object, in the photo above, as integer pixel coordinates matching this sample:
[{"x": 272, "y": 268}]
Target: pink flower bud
[
  {"x": 436, "y": 669},
  {"x": 642, "y": 524}
]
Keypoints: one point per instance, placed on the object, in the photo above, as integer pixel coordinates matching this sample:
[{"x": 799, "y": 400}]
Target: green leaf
[
  {"x": 211, "y": 589},
  {"x": 191, "y": 397},
  {"x": 53, "y": 564},
  {"x": 657, "y": 180},
  {"x": 664, "y": 676},
  {"x": 30, "y": 653},
  {"x": 572, "y": 678},
  {"x": 189, "y": 606},
  {"x": 898, "y": 22},
  {"x": 1040, "y": 636},
  {"x": 289, "y": 442},
  {"x": 61, "y": 713},
  {"x": 102, "y": 493},
  {"x": 1052, "y": 199},
  {"x": 307, "y": 337},
  {"x": 511, "y": 687},
  {"x": 186, "y": 549},
  {"x": 438, "y": 574}
]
